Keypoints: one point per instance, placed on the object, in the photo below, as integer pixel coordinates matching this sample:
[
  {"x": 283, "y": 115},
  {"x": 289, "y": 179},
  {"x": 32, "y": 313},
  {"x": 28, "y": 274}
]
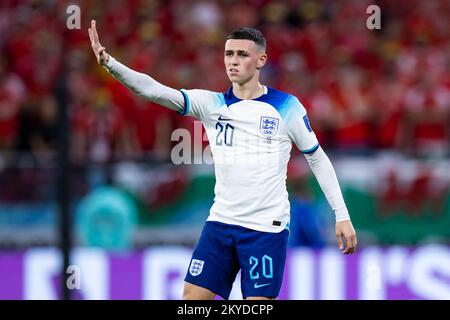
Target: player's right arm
[{"x": 141, "y": 84}]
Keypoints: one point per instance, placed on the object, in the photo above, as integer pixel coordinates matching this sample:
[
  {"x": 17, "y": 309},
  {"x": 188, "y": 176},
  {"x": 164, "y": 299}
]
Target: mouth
[{"x": 233, "y": 70}]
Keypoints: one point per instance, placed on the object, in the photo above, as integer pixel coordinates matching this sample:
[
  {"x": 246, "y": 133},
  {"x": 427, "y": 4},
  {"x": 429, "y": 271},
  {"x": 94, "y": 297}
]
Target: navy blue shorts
[{"x": 224, "y": 249}]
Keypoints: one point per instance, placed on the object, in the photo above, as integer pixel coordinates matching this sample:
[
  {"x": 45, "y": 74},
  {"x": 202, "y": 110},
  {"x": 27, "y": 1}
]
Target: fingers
[
  {"x": 94, "y": 32},
  {"x": 340, "y": 243},
  {"x": 93, "y": 36},
  {"x": 350, "y": 244},
  {"x": 90, "y": 36}
]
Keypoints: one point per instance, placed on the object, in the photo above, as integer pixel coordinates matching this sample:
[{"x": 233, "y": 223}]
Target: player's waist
[
  {"x": 249, "y": 207},
  {"x": 273, "y": 220}
]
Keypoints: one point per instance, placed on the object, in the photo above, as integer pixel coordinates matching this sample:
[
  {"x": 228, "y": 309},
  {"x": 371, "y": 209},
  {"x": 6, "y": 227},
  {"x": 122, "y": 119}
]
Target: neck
[{"x": 249, "y": 90}]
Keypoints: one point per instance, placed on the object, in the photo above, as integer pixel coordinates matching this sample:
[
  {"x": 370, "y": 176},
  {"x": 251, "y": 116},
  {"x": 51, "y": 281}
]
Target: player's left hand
[{"x": 345, "y": 230}]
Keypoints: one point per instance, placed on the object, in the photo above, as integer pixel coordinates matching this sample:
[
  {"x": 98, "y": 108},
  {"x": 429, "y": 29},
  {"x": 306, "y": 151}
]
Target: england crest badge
[
  {"x": 268, "y": 126},
  {"x": 196, "y": 267}
]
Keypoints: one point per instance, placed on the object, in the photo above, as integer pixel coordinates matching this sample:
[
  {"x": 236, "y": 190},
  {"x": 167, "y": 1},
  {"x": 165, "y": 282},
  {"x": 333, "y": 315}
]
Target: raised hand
[{"x": 99, "y": 50}]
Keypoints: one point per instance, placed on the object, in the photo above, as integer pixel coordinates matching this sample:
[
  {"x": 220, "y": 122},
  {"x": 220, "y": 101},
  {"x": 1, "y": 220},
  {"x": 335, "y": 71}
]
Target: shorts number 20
[{"x": 267, "y": 267}]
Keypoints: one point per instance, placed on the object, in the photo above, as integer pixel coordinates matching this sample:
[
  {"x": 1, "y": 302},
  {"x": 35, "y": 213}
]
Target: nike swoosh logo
[
  {"x": 223, "y": 119},
  {"x": 261, "y": 285}
]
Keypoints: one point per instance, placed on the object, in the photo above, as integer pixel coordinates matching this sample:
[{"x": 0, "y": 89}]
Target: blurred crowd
[{"x": 365, "y": 90}]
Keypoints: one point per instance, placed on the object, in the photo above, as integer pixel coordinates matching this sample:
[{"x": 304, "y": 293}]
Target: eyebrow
[{"x": 238, "y": 51}]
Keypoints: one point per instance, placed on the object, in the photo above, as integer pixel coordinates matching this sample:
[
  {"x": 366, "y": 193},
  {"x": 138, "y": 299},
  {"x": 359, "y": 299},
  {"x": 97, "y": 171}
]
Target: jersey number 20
[{"x": 225, "y": 134}]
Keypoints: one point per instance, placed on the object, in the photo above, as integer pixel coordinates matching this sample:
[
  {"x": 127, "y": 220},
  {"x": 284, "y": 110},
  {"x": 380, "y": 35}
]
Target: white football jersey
[{"x": 251, "y": 142}]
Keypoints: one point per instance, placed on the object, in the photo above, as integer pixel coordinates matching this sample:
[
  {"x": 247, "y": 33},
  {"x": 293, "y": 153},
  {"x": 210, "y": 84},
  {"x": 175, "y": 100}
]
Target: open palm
[{"x": 99, "y": 50}]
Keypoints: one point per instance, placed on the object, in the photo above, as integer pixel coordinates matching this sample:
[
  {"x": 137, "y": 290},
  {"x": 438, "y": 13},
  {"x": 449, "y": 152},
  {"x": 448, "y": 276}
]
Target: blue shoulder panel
[
  {"x": 280, "y": 100},
  {"x": 221, "y": 99}
]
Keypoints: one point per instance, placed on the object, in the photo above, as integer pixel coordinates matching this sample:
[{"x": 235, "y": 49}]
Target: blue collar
[{"x": 230, "y": 98}]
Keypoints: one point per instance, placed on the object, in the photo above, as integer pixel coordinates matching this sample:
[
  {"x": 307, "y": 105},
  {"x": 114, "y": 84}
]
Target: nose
[{"x": 234, "y": 60}]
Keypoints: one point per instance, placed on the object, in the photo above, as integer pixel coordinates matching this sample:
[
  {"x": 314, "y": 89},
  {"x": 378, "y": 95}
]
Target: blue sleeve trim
[
  {"x": 311, "y": 150},
  {"x": 187, "y": 104}
]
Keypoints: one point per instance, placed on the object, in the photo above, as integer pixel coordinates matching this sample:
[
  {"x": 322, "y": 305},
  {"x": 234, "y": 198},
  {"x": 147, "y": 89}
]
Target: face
[{"x": 242, "y": 58}]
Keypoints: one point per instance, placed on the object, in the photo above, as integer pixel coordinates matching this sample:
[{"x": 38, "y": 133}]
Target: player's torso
[{"x": 251, "y": 145}]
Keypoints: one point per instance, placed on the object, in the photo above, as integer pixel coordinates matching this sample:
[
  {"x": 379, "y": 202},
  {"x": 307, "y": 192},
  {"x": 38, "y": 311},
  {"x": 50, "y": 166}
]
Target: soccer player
[{"x": 250, "y": 128}]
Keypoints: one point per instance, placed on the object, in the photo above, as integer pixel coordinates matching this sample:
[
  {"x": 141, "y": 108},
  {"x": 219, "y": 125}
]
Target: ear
[{"x": 261, "y": 61}]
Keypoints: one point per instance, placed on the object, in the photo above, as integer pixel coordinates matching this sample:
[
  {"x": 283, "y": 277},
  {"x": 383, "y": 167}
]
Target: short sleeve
[
  {"x": 299, "y": 128},
  {"x": 199, "y": 103}
]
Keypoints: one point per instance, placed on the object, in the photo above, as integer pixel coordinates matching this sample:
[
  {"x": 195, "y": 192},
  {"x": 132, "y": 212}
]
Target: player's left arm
[
  {"x": 326, "y": 177},
  {"x": 303, "y": 136}
]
